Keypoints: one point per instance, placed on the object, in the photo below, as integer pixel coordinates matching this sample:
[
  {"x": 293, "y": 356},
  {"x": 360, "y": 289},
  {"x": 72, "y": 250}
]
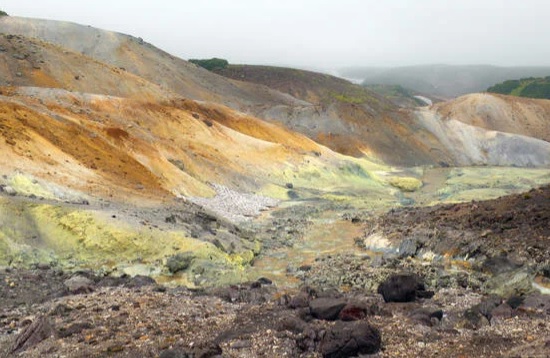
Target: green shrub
[
  {"x": 211, "y": 64},
  {"x": 526, "y": 87},
  {"x": 3, "y": 13}
]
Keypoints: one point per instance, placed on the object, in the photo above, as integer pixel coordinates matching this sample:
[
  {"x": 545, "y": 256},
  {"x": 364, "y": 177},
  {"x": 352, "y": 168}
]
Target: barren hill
[
  {"x": 135, "y": 56},
  {"x": 528, "y": 117},
  {"x": 32, "y": 62}
]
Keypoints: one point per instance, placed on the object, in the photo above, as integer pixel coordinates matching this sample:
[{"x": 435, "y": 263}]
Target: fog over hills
[{"x": 444, "y": 81}]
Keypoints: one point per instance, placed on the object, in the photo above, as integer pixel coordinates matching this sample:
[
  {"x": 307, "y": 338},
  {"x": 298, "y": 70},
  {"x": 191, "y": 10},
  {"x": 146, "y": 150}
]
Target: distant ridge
[{"x": 443, "y": 80}]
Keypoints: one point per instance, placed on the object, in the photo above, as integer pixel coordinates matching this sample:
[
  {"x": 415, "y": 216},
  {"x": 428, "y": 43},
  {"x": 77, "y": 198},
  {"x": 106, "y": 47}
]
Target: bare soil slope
[{"x": 528, "y": 117}]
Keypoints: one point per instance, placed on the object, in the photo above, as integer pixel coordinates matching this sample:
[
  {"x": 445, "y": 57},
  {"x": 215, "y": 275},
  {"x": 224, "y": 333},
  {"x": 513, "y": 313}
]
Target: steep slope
[
  {"x": 144, "y": 60},
  {"x": 31, "y": 62},
  {"x": 345, "y": 117},
  {"x": 470, "y": 145},
  {"x": 149, "y": 148},
  {"x": 527, "y": 117}
]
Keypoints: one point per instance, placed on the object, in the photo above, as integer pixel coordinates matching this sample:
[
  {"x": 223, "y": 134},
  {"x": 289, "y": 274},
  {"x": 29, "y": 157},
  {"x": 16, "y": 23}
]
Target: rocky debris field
[
  {"x": 426, "y": 293},
  {"x": 47, "y": 313}
]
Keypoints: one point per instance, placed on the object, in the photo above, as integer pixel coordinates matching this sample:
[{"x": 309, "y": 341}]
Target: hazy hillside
[
  {"x": 344, "y": 116},
  {"x": 131, "y": 54},
  {"x": 527, "y": 117},
  {"x": 443, "y": 80},
  {"x": 398, "y": 95},
  {"x": 526, "y": 87}
]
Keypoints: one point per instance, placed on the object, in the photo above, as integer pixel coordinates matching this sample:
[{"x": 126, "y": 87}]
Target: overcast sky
[{"x": 322, "y": 34}]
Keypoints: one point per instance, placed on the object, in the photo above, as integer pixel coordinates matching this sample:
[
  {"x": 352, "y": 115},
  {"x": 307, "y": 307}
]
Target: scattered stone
[
  {"x": 78, "y": 285},
  {"x": 299, "y": 300},
  {"x": 536, "y": 304},
  {"x": 140, "y": 281},
  {"x": 403, "y": 288},
  {"x": 19, "y": 56},
  {"x": 265, "y": 281},
  {"x": 473, "y": 319},
  {"x": 501, "y": 313},
  {"x": 61, "y": 310},
  {"x": 498, "y": 265},
  {"x": 9, "y": 190},
  {"x": 511, "y": 283},
  {"x": 73, "y": 329},
  {"x": 175, "y": 353},
  {"x": 426, "y": 317},
  {"x": 326, "y": 308},
  {"x": 407, "y": 248},
  {"x": 486, "y": 306},
  {"x": 39, "y": 330},
  {"x": 348, "y": 339}
]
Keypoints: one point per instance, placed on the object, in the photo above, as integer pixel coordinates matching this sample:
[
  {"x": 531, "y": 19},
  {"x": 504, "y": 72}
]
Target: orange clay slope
[
  {"x": 128, "y": 149},
  {"x": 346, "y": 118},
  {"x": 524, "y": 116}
]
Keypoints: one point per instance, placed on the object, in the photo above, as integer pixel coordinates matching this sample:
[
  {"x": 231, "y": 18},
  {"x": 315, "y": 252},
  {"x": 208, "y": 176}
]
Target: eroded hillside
[{"x": 528, "y": 117}]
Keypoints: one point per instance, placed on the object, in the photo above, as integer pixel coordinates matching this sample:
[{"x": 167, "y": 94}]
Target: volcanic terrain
[{"x": 149, "y": 207}]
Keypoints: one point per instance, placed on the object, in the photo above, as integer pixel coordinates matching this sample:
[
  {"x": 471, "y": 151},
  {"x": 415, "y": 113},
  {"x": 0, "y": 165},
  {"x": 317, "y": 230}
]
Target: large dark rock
[
  {"x": 537, "y": 304},
  {"x": 403, "y": 288},
  {"x": 349, "y": 339},
  {"x": 326, "y": 308},
  {"x": 352, "y": 312},
  {"x": 140, "y": 281}
]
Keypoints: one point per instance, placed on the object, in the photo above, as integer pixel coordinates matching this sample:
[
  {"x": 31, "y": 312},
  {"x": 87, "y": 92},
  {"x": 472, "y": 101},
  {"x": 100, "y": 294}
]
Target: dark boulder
[
  {"x": 487, "y": 306},
  {"x": 140, "y": 281},
  {"x": 79, "y": 284},
  {"x": 352, "y": 312},
  {"x": 426, "y": 317},
  {"x": 349, "y": 339},
  {"x": 403, "y": 288},
  {"x": 300, "y": 300},
  {"x": 326, "y": 308},
  {"x": 502, "y": 313}
]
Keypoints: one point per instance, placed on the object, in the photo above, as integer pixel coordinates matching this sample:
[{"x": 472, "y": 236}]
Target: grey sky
[{"x": 319, "y": 33}]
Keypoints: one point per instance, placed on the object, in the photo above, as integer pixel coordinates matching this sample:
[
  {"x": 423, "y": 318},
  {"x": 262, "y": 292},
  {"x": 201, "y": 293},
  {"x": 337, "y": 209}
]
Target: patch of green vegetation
[
  {"x": 526, "y": 87},
  {"x": 406, "y": 184},
  {"x": 3, "y": 13},
  {"x": 474, "y": 183},
  {"x": 348, "y": 99},
  {"x": 211, "y": 64}
]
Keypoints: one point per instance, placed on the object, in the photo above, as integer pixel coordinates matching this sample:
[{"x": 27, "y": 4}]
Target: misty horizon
[{"x": 322, "y": 35}]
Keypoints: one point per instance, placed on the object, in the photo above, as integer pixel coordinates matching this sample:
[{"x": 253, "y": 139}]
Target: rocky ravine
[{"x": 413, "y": 299}]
